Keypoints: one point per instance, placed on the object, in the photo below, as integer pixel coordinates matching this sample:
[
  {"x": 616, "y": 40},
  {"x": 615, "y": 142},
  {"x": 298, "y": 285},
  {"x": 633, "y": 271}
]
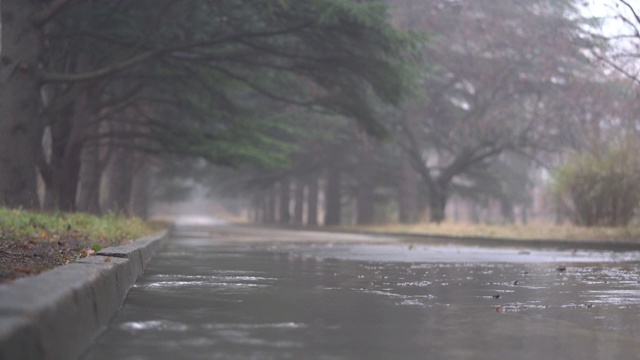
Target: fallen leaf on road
[{"x": 87, "y": 252}]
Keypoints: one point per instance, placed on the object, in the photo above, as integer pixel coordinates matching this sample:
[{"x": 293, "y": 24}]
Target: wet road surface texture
[{"x": 224, "y": 292}]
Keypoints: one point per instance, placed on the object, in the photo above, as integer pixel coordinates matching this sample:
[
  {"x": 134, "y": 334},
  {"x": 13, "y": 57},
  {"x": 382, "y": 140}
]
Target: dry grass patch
[{"x": 533, "y": 230}]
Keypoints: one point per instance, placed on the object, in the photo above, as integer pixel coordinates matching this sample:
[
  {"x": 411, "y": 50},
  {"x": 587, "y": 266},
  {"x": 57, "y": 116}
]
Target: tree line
[
  {"x": 92, "y": 85},
  {"x": 372, "y": 109},
  {"x": 509, "y": 90}
]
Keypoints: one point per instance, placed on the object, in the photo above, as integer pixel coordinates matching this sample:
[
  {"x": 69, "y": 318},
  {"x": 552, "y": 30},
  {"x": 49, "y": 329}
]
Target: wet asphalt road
[{"x": 235, "y": 293}]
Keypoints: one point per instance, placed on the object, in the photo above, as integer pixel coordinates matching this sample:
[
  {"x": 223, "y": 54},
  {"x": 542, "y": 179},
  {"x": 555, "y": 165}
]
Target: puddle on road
[
  {"x": 227, "y": 282},
  {"x": 157, "y": 325},
  {"x": 453, "y": 254},
  {"x": 378, "y": 302}
]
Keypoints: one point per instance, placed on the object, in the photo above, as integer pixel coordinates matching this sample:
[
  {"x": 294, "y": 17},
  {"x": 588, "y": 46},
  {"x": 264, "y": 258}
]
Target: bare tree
[{"x": 497, "y": 69}]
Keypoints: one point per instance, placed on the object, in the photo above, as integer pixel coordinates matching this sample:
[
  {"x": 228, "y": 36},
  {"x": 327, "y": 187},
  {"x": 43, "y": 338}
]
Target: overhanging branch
[
  {"x": 98, "y": 74},
  {"x": 53, "y": 10},
  {"x": 136, "y": 60}
]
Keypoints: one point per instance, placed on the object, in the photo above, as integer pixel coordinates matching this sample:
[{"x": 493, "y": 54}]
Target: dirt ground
[{"x": 20, "y": 258}]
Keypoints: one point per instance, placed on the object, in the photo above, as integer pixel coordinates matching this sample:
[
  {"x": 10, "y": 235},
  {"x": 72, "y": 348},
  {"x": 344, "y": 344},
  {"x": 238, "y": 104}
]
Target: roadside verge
[
  {"x": 481, "y": 241},
  {"x": 56, "y": 314}
]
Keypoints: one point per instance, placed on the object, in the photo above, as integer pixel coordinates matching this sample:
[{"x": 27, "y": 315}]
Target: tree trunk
[
  {"x": 506, "y": 210},
  {"x": 19, "y": 105},
  {"x": 408, "y": 194},
  {"x": 333, "y": 197},
  {"x": 68, "y": 134},
  {"x": 65, "y": 176},
  {"x": 312, "y": 202},
  {"x": 298, "y": 202},
  {"x": 437, "y": 202},
  {"x": 140, "y": 199},
  {"x": 120, "y": 181},
  {"x": 258, "y": 207},
  {"x": 270, "y": 206},
  {"x": 365, "y": 202},
  {"x": 525, "y": 215},
  {"x": 285, "y": 199},
  {"x": 90, "y": 180}
]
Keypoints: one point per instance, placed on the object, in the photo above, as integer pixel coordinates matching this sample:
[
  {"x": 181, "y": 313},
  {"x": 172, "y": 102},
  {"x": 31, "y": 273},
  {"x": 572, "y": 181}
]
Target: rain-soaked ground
[{"x": 222, "y": 292}]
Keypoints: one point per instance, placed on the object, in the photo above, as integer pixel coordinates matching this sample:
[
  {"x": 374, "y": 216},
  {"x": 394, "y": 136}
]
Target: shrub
[{"x": 600, "y": 189}]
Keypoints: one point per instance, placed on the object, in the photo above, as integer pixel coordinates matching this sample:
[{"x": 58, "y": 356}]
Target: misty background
[{"x": 323, "y": 112}]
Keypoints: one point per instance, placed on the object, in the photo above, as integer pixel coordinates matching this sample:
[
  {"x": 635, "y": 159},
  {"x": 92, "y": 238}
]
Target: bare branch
[
  {"x": 55, "y": 8},
  {"x": 617, "y": 67},
  {"x": 633, "y": 11}
]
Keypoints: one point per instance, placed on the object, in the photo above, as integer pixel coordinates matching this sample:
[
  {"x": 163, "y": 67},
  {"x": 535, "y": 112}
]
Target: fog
[
  {"x": 483, "y": 111},
  {"x": 328, "y": 113},
  {"x": 504, "y": 103}
]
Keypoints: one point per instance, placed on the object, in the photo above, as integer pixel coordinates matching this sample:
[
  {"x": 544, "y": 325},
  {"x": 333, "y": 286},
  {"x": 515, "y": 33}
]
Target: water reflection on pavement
[{"x": 216, "y": 293}]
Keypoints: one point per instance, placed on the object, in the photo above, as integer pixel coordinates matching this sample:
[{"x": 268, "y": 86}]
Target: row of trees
[
  {"x": 307, "y": 100},
  {"x": 512, "y": 88},
  {"x": 87, "y": 82}
]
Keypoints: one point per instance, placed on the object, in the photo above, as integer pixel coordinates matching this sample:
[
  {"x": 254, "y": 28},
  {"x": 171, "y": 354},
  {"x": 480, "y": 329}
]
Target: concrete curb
[{"x": 56, "y": 315}]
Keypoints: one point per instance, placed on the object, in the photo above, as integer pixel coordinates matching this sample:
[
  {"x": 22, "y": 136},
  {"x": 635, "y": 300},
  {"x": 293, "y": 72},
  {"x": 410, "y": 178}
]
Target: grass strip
[
  {"x": 107, "y": 230},
  {"x": 531, "y": 231}
]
